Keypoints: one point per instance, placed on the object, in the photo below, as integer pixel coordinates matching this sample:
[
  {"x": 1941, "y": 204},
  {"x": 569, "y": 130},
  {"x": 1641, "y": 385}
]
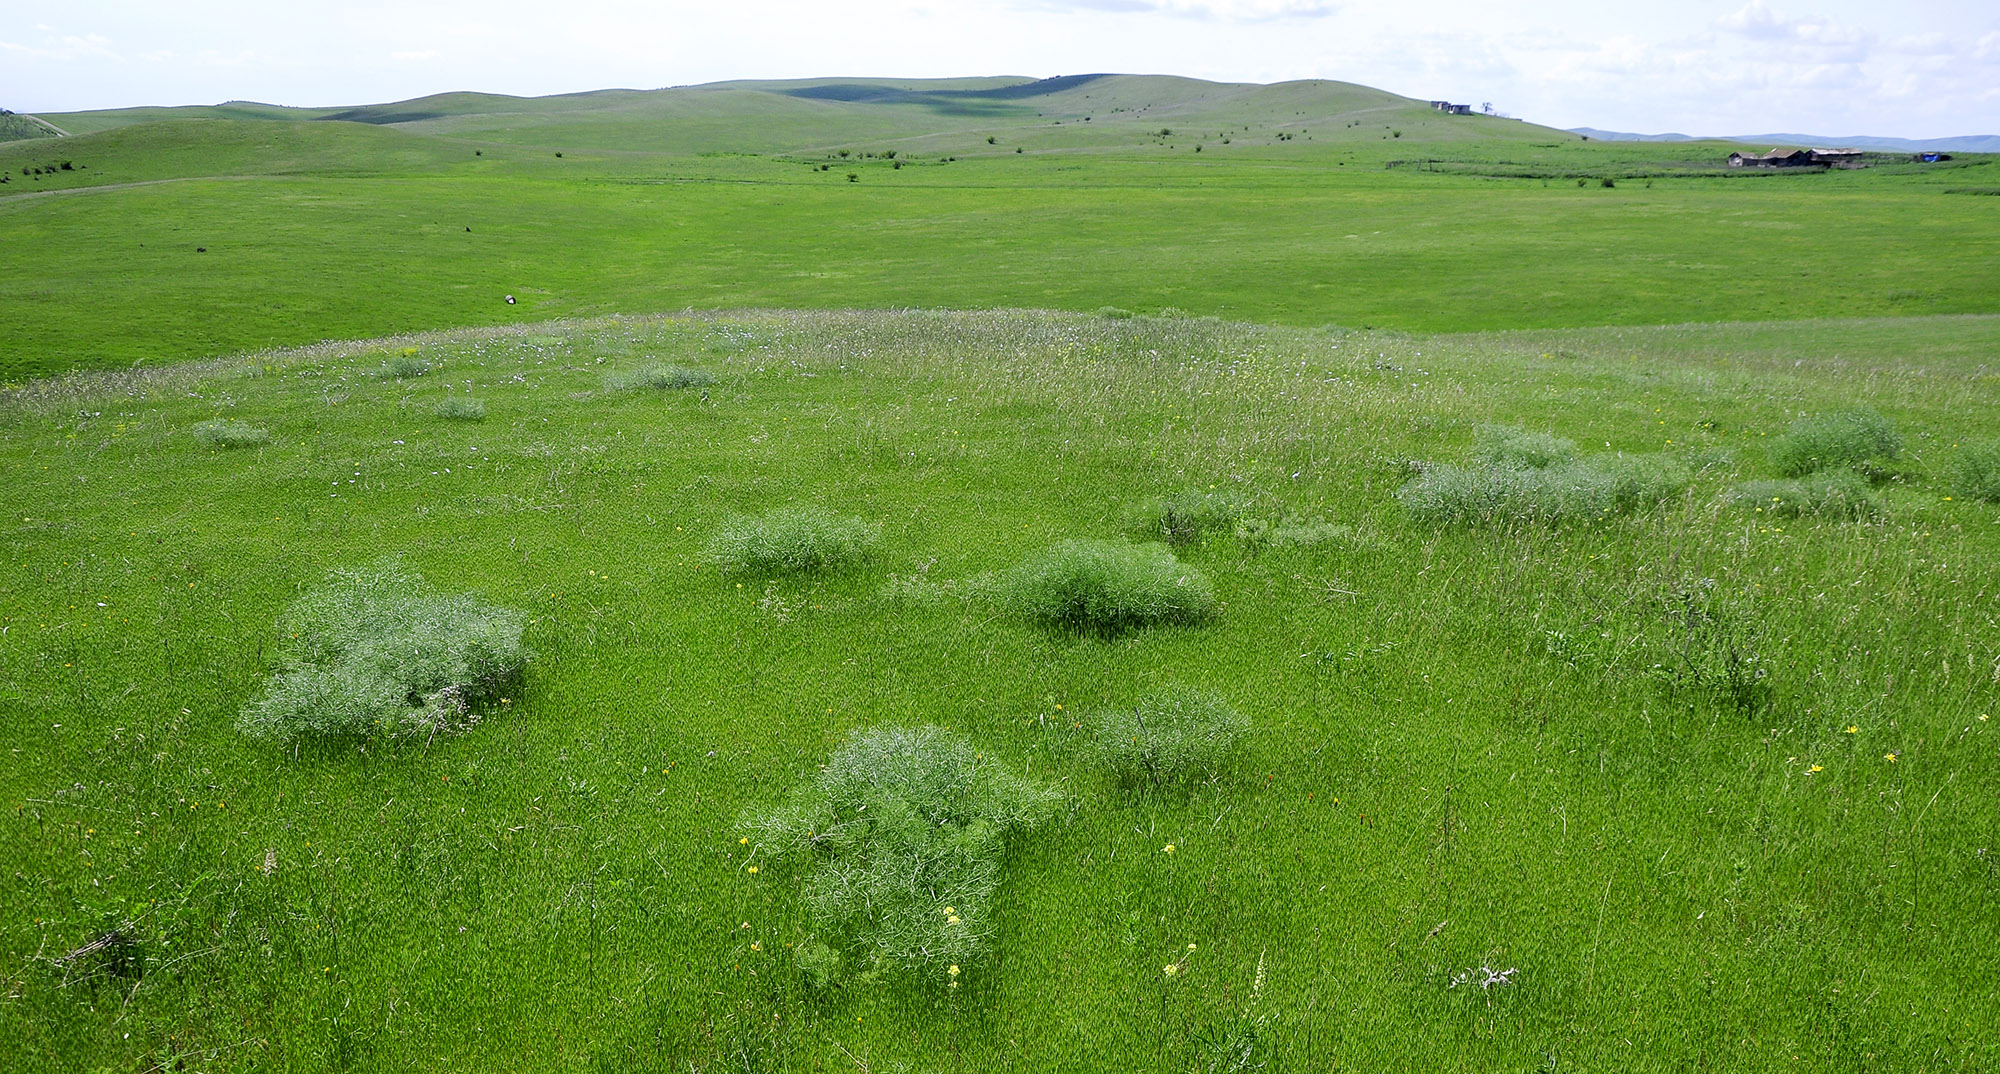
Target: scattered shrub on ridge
[
  {"x": 1975, "y": 472},
  {"x": 376, "y": 652},
  {"x": 1506, "y": 445},
  {"x": 1189, "y": 517},
  {"x": 1833, "y": 493},
  {"x": 1583, "y": 489},
  {"x": 1105, "y": 587},
  {"x": 226, "y": 433},
  {"x": 460, "y": 408},
  {"x": 1173, "y": 735},
  {"x": 902, "y": 834},
  {"x": 671, "y": 378},
  {"x": 1857, "y": 438},
  {"x": 792, "y": 540}
]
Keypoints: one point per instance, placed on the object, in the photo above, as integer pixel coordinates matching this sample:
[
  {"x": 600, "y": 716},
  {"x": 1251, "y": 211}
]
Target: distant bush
[
  {"x": 1506, "y": 445},
  {"x": 671, "y": 378},
  {"x": 1115, "y": 313},
  {"x": 1106, "y": 587},
  {"x": 792, "y": 540},
  {"x": 460, "y": 408},
  {"x": 1258, "y": 535},
  {"x": 902, "y": 833},
  {"x": 225, "y": 433},
  {"x": 402, "y": 366},
  {"x": 1188, "y": 517},
  {"x": 375, "y": 652},
  {"x": 1857, "y": 438},
  {"x": 1975, "y": 472},
  {"x": 1176, "y": 734},
  {"x": 1835, "y": 493},
  {"x": 1579, "y": 490}
]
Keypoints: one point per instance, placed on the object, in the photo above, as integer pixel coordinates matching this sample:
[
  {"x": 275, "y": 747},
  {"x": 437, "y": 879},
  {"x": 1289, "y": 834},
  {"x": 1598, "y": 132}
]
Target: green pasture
[
  {"x": 183, "y": 233},
  {"x": 1494, "y": 746}
]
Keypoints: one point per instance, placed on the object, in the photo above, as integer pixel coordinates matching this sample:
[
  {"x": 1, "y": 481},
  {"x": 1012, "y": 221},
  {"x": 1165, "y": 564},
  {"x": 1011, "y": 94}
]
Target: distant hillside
[
  {"x": 934, "y": 116},
  {"x": 1972, "y": 143},
  {"x": 15, "y": 128}
]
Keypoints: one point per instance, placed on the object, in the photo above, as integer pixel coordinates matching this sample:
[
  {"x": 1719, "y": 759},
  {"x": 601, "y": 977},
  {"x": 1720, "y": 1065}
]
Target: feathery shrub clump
[
  {"x": 792, "y": 540},
  {"x": 1173, "y": 735},
  {"x": 460, "y": 408},
  {"x": 376, "y": 652},
  {"x": 1831, "y": 493},
  {"x": 227, "y": 433},
  {"x": 1106, "y": 587},
  {"x": 1189, "y": 517},
  {"x": 1581, "y": 489},
  {"x": 901, "y": 835},
  {"x": 1859, "y": 439},
  {"x": 671, "y": 378},
  {"x": 1975, "y": 472}
]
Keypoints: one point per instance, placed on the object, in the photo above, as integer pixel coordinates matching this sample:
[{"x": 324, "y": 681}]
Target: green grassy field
[
  {"x": 1709, "y": 782},
  {"x": 1466, "y": 746},
  {"x": 187, "y": 237}
]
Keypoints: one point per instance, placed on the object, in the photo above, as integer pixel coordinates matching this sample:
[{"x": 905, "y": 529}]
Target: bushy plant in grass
[
  {"x": 1830, "y": 493},
  {"x": 901, "y": 837},
  {"x": 1584, "y": 489},
  {"x": 1860, "y": 439},
  {"x": 460, "y": 408},
  {"x": 1172, "y": 735},
  {"x": 227, "y": 433},
  {"x": 1105, "y": 587},
  {"x": 792, "y": 540},
  {"x": 1507, "y": 445},
  {"x": 1975, "y": 472},
  {"x": 404, "y": 364},
  {"x": 671, "y": 378},
  {"x": 375, "y": 652},
  {"x": 1188, "y": 517},
  {"x": 1262, "y": 535}
]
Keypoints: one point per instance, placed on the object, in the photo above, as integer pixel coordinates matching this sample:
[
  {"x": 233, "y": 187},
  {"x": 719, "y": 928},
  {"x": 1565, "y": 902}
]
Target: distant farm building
[
  {"x": 1798, "y": 158},
  {"x": 1451, "y": 109}
]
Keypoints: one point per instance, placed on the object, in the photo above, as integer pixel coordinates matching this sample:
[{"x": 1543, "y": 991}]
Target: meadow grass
[{"x": 1715, "y": 786}]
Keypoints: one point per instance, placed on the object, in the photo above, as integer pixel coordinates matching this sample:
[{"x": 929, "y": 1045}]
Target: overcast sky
[{"x": 1910, "y": 68}]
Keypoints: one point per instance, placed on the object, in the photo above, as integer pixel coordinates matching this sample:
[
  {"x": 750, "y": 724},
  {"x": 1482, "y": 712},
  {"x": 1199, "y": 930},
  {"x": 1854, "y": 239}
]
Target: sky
[{"x": 1912, "y": 68}]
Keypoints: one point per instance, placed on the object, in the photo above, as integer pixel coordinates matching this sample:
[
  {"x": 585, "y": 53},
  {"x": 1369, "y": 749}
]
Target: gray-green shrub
[
  {"x": 1506, "y": 445},
  {"x": 792, "y": 540},
  {"x": 664, "y": 378},
  {"x": 1175, "y": 734},
  {"x": 1841, "y": 438},
  {"x": 1580, "y": 490},
  {"x": 901, "y": 837},
  {"x": 1975, "y": 472},
  {"x": 1189, "y": 516},
  {"x": 1833, "y": 493},
  {"x": 376, "y": 652},
  {"x": 226, "y": 433},
  {"x": 1106, "y": 587},
  {"x": 460, "y": 408}
]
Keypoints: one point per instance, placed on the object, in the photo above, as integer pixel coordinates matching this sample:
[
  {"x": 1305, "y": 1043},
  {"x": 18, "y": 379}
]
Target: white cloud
[
  {"x": 423, "y": 54},
  {"x": 1215, "y": 10}
]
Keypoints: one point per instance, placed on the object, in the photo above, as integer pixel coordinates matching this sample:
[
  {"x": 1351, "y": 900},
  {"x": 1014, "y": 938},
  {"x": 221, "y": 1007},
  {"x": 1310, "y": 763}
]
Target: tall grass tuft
[
  {"x": 1859, "y": 438},
  {"x": 376, "y": 652},
  {"x": 226, "y": 433},
  {"x": 671, "y": 378},
  {"x": 1506, "y": 445},
  {"x": 1176, "y": 734},
  {"x": 1189, "y": 517},
  {"x": 460, "y": 408},
  {"x": 1831, "y": 493},
  {"x": 1585, "y": 489},
  {"x": 792, "y": 540},
  {"x": 1106, "y": 587},
  {"x": 1975, "y": 472},
  {"x": 901, "y": 835}
]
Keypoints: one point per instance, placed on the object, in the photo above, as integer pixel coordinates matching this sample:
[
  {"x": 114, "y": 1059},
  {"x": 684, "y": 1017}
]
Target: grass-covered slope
[{"x": 1702, "y": 784}]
